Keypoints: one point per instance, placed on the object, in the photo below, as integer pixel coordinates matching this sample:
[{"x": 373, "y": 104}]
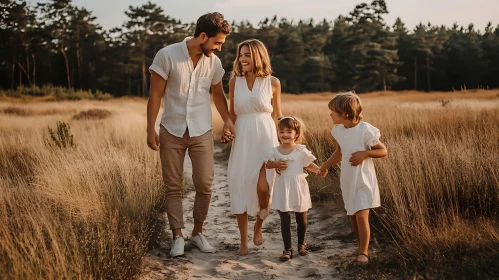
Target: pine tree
[
  {"x": 58, "y": 15},
  {"x": 144, "y": 30},
  {"x": 16, "y": 23}
]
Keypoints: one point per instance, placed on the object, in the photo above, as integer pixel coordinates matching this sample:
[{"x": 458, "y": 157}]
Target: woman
[{"x": 254, "y": 96}]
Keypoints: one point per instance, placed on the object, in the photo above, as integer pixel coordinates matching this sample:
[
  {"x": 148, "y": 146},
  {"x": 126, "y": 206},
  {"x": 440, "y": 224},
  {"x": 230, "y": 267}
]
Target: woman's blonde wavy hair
[{"x": 259, "y": 56}]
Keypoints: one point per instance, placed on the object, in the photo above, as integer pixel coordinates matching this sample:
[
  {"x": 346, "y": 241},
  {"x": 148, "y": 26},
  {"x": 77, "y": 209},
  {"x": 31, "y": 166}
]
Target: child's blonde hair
[
  {"x": 347, "y": 104},
  {"x": 293, "y": 123},
  {"x": 259, "y": 56}
]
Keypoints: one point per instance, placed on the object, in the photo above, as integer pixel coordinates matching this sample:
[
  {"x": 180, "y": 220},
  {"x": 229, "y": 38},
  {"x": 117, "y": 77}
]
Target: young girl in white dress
[
  {"x": 255, "y": 105},
  {"x": 357, "y": 143},
  {"x": 291, "y": 193}
]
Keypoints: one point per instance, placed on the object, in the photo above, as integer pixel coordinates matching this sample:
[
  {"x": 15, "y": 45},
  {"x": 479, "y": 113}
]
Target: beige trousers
[{"x": 172, "y": 154}]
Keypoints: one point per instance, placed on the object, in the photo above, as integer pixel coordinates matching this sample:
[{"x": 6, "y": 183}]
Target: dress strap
[{"x": 267, "y": 86}]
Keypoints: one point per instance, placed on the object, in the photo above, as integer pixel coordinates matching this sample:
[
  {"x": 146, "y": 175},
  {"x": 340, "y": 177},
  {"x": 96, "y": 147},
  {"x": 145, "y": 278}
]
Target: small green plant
[{"x": 61, "y": 136}]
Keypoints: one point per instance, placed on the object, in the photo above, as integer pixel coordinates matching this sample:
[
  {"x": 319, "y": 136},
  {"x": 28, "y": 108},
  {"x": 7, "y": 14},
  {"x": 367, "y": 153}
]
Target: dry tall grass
[
  {"x": 76, "y": 213},
  {"x": 440, "y": 182},
  {"x": 88, "y": 212}
]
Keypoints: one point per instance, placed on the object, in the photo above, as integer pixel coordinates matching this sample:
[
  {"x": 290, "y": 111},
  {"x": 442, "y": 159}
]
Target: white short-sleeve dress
[
  {"x": 359, "y": 186},
  {"x": 291, "y": 192}
]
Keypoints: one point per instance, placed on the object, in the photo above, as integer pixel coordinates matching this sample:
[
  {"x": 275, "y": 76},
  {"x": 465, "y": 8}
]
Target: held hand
[
  {"x": 228, "y": 132},
  {"x": 281, "y": 165},
  {"x": 322, "y": 172},
  {"x": 153, "y": 140},
  {"x": 357, "y": 158}
]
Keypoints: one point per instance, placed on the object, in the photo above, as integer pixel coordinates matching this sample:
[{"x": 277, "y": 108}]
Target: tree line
[{"x": 58, "y": 43}]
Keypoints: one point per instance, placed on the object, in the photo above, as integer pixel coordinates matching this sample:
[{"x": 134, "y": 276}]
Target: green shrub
[{"x": 61, "y": 137}]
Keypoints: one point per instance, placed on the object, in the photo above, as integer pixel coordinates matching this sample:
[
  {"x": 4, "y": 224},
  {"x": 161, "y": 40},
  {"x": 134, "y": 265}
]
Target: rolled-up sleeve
[
  {"x": 161, "y": 64},
  {"x": 371, "y": 136},
  {"x": 219, "y": 72}
]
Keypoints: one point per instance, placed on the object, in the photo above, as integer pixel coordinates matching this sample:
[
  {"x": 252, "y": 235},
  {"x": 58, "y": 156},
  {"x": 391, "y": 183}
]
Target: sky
[{"x": 111, "y": 13}]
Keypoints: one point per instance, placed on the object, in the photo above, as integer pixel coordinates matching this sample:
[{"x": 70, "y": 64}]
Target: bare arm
[
  {"x": 377, "y": 151},
  {"x": 156, "y": 90},
  {"x": 232, "y": 113},
  {"x": 222, "y": 108},
  {"x": 313, "y": 167},
  {"x": 333, "y": 160},
  {"x": 220, "y": 100},
  {"x": 276, "y": 98},
  {"x": 281, "y": 164}
]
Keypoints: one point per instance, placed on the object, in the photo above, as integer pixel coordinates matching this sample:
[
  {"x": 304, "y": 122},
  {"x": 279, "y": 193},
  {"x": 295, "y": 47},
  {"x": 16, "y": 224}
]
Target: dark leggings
[{"x": 301, "y": 222}]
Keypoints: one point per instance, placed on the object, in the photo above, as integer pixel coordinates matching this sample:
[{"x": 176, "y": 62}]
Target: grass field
[{"x": 88, "y": 211}]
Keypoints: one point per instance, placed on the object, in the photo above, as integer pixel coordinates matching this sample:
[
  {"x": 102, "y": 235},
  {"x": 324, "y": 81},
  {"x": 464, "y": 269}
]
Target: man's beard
[{"x": 206, "y": 52}]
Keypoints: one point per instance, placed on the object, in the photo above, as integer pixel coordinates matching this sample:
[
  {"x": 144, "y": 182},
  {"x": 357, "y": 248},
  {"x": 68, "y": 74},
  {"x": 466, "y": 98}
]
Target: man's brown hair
[{"x": 212, "y": 24}]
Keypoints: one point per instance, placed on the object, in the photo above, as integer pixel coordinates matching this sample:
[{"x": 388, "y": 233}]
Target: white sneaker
[
  {"x": 201, "y": 242},
  {"x": 177, "y": 247}
]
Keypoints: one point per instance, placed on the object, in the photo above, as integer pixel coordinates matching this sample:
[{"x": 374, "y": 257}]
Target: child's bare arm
[
  {"x": 281, "y": 164},
  {"x": 312, "y": 168},
  {"x": 333, "y": 160},
  {"x": 377, "y": 151},
  {"x": 270, "y": 164}
]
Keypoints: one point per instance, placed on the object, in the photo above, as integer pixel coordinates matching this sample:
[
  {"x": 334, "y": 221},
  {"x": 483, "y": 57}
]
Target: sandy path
[{"x": 328, "y": 236}]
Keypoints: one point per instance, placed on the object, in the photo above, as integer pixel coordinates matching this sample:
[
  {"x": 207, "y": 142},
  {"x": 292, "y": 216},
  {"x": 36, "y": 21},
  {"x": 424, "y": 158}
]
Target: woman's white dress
[{"x": 255, "y": 136}]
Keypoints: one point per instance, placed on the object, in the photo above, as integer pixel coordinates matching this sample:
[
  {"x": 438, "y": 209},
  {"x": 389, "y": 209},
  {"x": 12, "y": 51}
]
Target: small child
[
  {"x": 290, "y": 192},
  {"x": 357, "y": 143}
]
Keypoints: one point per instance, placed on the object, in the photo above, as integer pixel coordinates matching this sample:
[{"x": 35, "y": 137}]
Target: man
[{"x": 182, "y": 73}]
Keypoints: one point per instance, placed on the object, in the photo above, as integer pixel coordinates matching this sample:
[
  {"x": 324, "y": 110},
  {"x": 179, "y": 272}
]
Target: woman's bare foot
[
  {"x": 257, "y": 235},
  {"x": 243, "y": 250},
  {"x": 354, "y": 253},
  {"x": 362, "y": 258}
]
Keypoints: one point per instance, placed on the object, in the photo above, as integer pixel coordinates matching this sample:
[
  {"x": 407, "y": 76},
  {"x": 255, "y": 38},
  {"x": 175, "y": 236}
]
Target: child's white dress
[
  {"x": 359, "y": 185},
  {"x": 291, "y": 193}
]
